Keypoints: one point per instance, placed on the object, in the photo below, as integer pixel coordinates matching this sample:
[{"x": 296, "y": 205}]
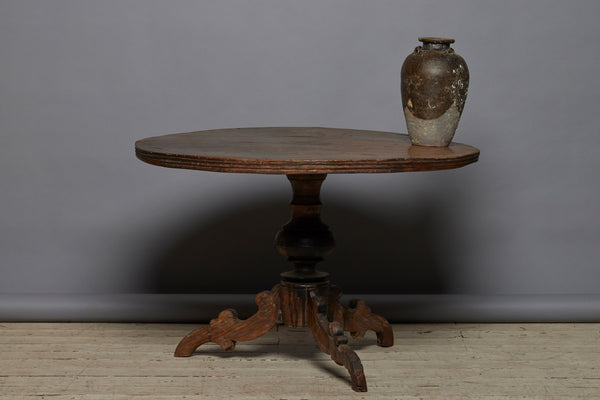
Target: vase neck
[{"x": 431, "y": 43}]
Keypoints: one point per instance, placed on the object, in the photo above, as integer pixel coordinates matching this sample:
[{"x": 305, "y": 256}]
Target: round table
[{"x": 304, "y": 296}]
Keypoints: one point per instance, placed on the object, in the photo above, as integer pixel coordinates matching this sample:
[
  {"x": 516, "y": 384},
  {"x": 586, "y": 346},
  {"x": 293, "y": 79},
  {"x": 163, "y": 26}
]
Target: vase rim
[{"x": 435, "y": 40}]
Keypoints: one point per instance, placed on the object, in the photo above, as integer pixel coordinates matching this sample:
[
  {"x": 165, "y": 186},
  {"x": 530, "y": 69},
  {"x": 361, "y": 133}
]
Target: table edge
[
  {"x": 286, "y": 166},
  {"x": 302, "y": 166}
]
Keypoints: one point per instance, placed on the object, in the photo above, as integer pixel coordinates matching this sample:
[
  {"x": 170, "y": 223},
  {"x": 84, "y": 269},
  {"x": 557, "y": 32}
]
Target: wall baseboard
[{"x": 203, "y": 307}]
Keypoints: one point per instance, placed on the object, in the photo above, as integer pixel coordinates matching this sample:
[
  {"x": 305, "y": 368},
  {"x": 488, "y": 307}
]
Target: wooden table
[{"x": 304, "y": 297}]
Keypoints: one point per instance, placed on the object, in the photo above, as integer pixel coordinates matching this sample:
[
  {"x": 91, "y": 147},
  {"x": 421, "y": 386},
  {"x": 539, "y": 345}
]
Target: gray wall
[{"x": 82, "y": 218}]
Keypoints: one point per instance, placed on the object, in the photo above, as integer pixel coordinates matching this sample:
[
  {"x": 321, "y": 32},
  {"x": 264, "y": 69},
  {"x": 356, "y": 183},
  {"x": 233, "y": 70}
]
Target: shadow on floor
[{"x": 297, "y": 343}]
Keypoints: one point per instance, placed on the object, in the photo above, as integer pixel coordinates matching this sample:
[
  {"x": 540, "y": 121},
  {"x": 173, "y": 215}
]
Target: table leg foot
[
  {"x": 358, "y": 319},
  {"x": 227, "y": 329},
  {"x": 330, "y": 338}
]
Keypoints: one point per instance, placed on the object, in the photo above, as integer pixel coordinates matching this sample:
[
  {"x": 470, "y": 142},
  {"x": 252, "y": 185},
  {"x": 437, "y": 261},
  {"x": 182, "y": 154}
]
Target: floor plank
[{"x": 429, "y": 361}]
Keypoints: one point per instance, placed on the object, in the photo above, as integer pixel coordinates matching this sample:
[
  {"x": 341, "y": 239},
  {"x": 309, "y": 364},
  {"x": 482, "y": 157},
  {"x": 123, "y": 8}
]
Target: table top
[{"x": 299, "y": 150}]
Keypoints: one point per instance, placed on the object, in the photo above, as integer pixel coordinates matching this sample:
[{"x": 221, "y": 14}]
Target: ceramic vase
[{"x": 435, "y": 81}]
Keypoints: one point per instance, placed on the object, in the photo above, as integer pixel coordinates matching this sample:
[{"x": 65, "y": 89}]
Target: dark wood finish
[
  {"x": 304, "y": 296},
  {"x": 358, "y": 319},
  {"x": 294, "y": 301},
  {"x": 305, "y": 239},
  {"x": 289, "y": 150},
  {"x": 227, "y": 329},
  {"x": 330, "y": 338}
]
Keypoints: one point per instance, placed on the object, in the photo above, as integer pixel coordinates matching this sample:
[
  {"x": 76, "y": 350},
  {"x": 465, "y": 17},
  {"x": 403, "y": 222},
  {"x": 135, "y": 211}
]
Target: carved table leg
[
  {"x": 331, "y": 340},
  {"x": 358, "y": 319},
  {"x": 227, "y": 329}
]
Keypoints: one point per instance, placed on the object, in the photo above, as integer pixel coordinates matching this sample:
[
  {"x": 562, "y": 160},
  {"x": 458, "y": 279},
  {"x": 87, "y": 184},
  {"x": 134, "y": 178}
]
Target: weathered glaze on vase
[{"x": 435, "y": 81}]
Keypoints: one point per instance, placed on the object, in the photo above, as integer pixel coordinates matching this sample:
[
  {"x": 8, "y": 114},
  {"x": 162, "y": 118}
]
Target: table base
[
  {"x": 304, "y": 297},
  {"x": 327, "y": 319}
]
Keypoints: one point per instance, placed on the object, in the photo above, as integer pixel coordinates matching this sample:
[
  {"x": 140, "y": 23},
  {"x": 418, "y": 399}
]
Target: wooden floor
[{"x": 443, "y": 361}]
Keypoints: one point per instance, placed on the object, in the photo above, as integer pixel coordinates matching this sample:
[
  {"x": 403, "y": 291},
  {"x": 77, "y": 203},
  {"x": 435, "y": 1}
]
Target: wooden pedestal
[{"x": 304, "y": 297}]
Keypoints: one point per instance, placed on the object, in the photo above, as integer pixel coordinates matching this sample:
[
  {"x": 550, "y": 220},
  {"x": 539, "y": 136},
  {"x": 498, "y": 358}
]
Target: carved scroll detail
[
  {"x": 227, "y": 329},
  {"x": 358, "y": 319},
  {"x": 331, "y": 340}
]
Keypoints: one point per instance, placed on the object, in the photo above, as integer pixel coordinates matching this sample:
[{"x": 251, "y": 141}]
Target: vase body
[{"x": 435, "y": 81}]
